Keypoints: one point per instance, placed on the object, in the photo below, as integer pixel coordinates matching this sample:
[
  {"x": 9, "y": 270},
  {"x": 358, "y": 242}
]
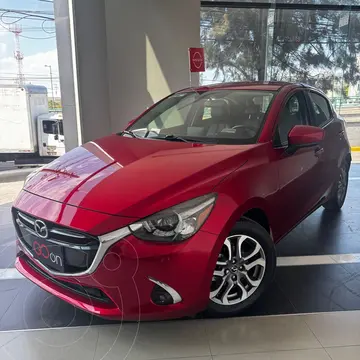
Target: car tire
[
  {"x": 339, "y": 191},
  {"x": 257, "y": 236}
]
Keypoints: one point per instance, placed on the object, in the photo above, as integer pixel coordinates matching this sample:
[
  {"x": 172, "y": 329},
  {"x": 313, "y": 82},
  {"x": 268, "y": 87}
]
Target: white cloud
[{"x": 34, "y": 70}]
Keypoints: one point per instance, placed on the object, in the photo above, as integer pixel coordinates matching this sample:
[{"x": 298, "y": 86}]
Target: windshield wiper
[
  {"x": 130, "y": 133},
  {"x": 172, "y": 137},
  {"x": 175, "y": 138}
]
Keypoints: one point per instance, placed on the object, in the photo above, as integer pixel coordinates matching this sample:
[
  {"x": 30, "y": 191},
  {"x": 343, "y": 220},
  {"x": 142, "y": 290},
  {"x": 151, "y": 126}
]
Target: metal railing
[{"x": 341, "y": 103}]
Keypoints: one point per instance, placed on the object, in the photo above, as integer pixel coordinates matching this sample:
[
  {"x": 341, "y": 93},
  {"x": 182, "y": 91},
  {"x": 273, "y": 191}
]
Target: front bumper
[
  {"x": 127, "y": 281},
  {"x": 128, "y": 272}
]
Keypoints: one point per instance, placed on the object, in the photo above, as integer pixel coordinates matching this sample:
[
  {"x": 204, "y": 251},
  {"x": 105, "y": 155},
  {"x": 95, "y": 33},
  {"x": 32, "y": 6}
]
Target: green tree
[
  {"x": 54, "y": 105},
  {"x": 318, "y": 47}
]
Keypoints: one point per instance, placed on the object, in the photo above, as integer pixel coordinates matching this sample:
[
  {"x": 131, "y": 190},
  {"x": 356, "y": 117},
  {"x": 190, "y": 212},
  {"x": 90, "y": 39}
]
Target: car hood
[{"x": 135, "y": 177}]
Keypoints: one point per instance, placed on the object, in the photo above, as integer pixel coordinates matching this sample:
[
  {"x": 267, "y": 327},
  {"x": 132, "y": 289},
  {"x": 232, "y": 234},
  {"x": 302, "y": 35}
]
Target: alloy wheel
[{"x": 239, "y": 270}]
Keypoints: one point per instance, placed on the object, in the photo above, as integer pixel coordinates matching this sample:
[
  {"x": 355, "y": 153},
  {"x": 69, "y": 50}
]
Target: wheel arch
[
  {"x": 259, "y": 216},
  {"x": 255, "y": 209},
  {"x": 348, "y": 159}
]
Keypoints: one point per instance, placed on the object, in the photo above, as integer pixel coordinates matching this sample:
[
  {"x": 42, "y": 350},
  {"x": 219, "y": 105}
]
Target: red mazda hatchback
[{"x": 181, "y": 211}]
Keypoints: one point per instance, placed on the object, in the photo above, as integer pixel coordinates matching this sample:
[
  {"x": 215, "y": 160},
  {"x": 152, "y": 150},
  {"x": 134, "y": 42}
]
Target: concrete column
[
  {"x": 117, "y": 57},
  {"x": 66, "y": 70},
  {"x": 148, "y": 43},
  {"x": 82, "y": 53}
]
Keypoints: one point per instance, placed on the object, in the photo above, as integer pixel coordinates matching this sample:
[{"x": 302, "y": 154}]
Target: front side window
[
  {"x": 321, "y": 107},
  {"x": 218, "y": 116},
  {"x": 53, "y": 127},
  {"x": 293, "y": 113},
  {"x": 48, "y": 127}
]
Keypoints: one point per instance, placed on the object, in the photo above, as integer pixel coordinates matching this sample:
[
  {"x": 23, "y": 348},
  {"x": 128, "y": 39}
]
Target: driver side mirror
[{"x": 302, "y": 136}]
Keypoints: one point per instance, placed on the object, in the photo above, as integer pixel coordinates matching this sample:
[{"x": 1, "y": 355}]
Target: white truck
[{"x": 29, "y": 134}]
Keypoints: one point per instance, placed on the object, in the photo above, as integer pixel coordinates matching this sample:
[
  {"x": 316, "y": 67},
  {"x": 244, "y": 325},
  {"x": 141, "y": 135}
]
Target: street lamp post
[{"x": 52, "y": 84}]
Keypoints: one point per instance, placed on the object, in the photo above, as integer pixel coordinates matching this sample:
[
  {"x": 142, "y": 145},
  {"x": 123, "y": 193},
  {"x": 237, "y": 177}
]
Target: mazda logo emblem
[{"x": 41, "y": 229}]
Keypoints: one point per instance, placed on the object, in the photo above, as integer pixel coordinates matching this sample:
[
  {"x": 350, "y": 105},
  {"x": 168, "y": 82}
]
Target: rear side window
[{"x": 322, "y": 110}]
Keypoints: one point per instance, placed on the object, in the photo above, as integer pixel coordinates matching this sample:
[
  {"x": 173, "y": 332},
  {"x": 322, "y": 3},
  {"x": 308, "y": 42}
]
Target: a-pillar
[{"x": 117, "y": 57}]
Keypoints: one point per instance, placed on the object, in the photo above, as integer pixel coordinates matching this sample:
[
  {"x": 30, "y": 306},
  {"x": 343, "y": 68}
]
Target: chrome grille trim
[
  {"x": 103, "y": 248},
  {"x": 68, "y": 234},
  {"x": 21, "y": 224},
  {"x": 70, "y": 246},
  {"x": 105, "y": 242},
  {"x": 30, "y": 221}
]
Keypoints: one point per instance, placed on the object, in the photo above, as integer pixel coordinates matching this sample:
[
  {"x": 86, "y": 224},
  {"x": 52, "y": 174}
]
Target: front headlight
[{"x": 177, "y": 223}]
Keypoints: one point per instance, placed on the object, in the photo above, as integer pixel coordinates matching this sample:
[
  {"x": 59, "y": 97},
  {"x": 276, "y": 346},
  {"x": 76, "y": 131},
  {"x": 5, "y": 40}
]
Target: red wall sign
[{"x": 197, "y": 60}]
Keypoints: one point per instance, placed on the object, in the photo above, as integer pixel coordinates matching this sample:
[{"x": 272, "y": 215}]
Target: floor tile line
[
  {"x": 97, "y": 343},
  {"x": 10, "y": 340},
  {"x": 261, "y": 351},
  {"x": 208, "y": 340},
  {"x": 341, "y": 346},
  {"x": 201, "y": 357},
  {"x": 238, "y": 317},
  {"x": 10, "y": 274},
  {"x": 308, "y": 260},
  {"x": 317, "y": 339},
  {"x": 285, "y": 261},
  {"x": 8, "y": 308},
  {"x": 269, "y": 352},
  {"x": 287, "y": 297},
  {"x": 330, "y": 357}
]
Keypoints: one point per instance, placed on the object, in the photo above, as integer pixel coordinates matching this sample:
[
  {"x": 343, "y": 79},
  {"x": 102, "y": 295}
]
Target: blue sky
[
  {"x": 30, "y": 47},
  {"x": 38, "y": 47}
]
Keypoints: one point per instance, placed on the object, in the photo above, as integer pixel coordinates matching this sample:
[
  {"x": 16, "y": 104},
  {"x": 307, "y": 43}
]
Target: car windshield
[
  {"x": 217, "y": 116},
  {"x": 53, "y": 127}
]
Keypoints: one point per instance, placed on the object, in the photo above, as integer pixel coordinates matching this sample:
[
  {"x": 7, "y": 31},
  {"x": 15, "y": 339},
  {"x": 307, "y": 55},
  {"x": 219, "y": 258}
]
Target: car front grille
[{"x": 77, "y": 250}]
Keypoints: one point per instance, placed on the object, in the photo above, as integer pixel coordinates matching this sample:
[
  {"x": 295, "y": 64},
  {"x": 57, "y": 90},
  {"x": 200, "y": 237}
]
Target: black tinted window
[
  {"x": 321, "y": 107},
  {"x": 61, "y": 128},
  {"x": 48, "y": 126},
  {"x": 53, "y": 127},
  {"x": 293, "y": 113}
]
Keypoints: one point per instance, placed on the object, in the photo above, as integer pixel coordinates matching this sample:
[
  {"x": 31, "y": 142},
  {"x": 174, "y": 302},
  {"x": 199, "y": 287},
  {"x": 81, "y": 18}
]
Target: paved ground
[
  {"x": 7, "y": 166},
  {"x": 356, "y": 157},
  {"x": 8, "y": 191},
  {"x": 353, "y": 131}
]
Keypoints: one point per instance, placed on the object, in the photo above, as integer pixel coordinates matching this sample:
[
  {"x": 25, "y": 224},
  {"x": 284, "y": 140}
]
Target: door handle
[{"x": 319, "y": 152}]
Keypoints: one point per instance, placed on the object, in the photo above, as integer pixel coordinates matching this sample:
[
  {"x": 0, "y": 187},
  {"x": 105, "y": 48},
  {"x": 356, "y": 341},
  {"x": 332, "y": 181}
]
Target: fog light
[
  {"x": 163, "y": 294},
  {"x": 159, "y": 296}
]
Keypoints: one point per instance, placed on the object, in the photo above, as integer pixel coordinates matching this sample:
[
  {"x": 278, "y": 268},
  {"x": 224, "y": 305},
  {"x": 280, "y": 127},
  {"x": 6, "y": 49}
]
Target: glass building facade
[{"x": 315, "y": 42}]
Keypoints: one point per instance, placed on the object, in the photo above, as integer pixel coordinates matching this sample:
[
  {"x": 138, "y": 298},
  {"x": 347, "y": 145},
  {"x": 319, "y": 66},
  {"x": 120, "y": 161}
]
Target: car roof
[{"x": 248, "y": 85}]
